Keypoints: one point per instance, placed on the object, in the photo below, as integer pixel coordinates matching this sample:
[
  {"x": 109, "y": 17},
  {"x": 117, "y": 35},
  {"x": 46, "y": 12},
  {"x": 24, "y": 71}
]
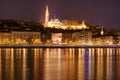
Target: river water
[{"x": 59, "y": 64}]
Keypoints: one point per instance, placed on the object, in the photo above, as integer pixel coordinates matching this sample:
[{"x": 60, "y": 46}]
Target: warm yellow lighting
[
  {"x": 46, "y": 16},
  {"x": 56, "y": 23}
]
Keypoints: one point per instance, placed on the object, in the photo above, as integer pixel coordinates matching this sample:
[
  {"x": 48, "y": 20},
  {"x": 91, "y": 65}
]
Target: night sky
[{"x": 99, "y": 12}]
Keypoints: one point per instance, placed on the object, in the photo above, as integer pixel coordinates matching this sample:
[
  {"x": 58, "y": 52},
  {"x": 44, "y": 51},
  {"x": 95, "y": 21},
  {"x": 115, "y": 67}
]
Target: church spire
[
  {"x": 102, "y": 31},
  {"x": 46, "y": 15}
]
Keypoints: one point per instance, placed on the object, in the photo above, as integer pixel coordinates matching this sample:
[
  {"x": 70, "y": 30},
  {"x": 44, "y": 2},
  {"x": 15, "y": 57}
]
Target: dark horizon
[{"x": 98, "y": 12}]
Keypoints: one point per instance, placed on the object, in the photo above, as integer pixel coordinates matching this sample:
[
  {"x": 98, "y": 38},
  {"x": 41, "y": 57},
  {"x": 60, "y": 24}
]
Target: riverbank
[{"x": 59, "y": 46}]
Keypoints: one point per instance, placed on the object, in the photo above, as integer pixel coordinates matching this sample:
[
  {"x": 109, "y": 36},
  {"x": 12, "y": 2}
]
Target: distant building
[
  {"x": 5, "y": 37},
  {"x": 23, "y": 37},
  {"x": 67, "y": 38},
  {"x": 19, "y": 32},
  {"x": 57, "y": 38},
  {"x": 62, "y": 38},
  {"x": 46, "y": 37},
  {"x": 105, "y": 39},
  {"x": 20, "y": 37},
  {"x": 118, "y": 38},
  {"x": 83, "y": 37}
]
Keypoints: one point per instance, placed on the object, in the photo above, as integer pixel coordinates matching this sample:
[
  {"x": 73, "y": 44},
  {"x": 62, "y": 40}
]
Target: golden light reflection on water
[
  {"x": 0, "y": 66},
  {"x": 60, "y": 64},
  {"x": 12, "y": 65},
  {"x": 24, "y": 64},
  {"x": 36, "y": 64}
]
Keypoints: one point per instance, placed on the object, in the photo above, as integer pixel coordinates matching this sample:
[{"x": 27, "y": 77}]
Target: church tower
[
  {"x": 102, "y": 31},
  {"x": 46, "y": 16}
]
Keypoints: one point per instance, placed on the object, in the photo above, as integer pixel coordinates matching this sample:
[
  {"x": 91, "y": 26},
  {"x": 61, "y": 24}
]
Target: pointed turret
[
  {"x": 83, "y": 25},
  {"x": 102, "y": 31}
]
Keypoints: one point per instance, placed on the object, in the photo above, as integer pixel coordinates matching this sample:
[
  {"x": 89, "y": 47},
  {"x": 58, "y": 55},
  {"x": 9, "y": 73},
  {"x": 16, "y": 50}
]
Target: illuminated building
[
  {"x": 19, "y": 32},
  {"x": 55, "y": 23},
  {"x": 61, "y": 38},
  {"x": 65, "y": 24},
  {"x": 83, "y": 37},
  {"x": 106, "y": 39},
  {"x": 20, "y": 37},
  {"x": 5, "y": 38},
  {"x": 57, "y": 38}
]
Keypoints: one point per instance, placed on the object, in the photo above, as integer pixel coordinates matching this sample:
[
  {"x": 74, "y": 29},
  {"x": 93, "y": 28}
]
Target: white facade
[{"x": 57, "y": 38}]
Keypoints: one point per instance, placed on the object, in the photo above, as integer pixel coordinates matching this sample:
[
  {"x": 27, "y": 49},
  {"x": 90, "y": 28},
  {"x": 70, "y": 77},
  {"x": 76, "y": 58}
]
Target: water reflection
[{"x": 59, "y": 64}]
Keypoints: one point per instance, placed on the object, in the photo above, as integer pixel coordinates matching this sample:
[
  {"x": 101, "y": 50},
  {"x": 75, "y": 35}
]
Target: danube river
[{"x": 59, "y": 63}]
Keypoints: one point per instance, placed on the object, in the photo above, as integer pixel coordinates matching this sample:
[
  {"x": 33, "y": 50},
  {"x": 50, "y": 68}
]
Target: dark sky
[{"x": 99, "y": 12}]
